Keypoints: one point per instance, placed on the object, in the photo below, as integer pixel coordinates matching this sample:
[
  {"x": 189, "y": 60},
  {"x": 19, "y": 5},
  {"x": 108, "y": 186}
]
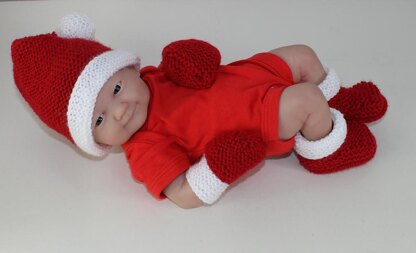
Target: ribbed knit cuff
[
  {"x": 326, "y": 146},
  {"x": 203, "y": 182},
  {"x": 331, "y": 84}
]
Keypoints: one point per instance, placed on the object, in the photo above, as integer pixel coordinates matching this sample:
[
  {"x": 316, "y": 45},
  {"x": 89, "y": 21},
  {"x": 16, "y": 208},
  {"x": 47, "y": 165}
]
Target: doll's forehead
[{"x": 123, "y": 72}]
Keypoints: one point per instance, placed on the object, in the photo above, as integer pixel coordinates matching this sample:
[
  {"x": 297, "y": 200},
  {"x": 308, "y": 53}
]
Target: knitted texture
[
  {"x": 362, "y": 102},
  {"x": 326, "y": 146},
  {"x": 331, "y": 84},
  {"x": 76, "y": 26},
  {"x": 46, "y": 68},
  {"x": 358, "y": 148},
  {"x": 60, "y": 77},
  {"x": 85, "y": 92},
  {"x": 204, "y": 183},
  {"x": 191, "y": 63},
  {"x": 231, "y": 154}
]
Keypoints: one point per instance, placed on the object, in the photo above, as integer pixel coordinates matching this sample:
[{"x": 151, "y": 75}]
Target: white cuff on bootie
[
  {"x": 203, "y": 182},
  {"x": 326, "y": 146},
  {"x": 331, "y": 84}
]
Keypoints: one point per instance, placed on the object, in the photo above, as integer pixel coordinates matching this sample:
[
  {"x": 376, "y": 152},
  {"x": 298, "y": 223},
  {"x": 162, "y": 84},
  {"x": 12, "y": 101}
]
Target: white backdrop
[{"x": 52, "y": 199}]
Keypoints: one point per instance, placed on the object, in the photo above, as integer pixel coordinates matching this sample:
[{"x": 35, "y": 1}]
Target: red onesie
[{"x": 181, "y": 121}]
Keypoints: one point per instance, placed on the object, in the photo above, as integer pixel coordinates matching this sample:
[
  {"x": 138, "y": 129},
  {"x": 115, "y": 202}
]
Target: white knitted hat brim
[{"x": 84, "y": 95}]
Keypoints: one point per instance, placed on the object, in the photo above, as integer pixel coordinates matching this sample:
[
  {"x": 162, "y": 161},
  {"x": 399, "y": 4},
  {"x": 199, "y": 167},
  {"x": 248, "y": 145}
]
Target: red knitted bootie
[
  {"x": 349, "y": 144},
  {"x": 362, "y": 102}
]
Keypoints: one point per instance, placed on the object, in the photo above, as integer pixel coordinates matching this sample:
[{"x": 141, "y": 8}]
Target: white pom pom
[{"x": 76, "y": 26}]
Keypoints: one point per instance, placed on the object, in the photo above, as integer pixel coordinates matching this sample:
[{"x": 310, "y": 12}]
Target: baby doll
[{"x": 191, "y": 126}]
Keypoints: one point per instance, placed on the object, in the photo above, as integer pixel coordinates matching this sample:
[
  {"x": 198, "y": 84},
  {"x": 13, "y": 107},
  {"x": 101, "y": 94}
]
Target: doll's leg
[
  {"x": 303, "y": 62},
  {"x": 362, "y": 102},
  {"x": 326, "y": 142},
  {"x": 304, "y": 108}
]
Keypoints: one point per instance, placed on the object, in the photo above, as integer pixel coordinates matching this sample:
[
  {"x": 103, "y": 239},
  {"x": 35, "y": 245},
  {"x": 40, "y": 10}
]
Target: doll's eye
[
  {"x": 117, "y": 88},
  {"x": 100, "y": 120}
]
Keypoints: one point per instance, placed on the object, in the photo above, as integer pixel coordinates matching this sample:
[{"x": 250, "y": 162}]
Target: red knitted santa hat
[{"x": 60, "y": 75}]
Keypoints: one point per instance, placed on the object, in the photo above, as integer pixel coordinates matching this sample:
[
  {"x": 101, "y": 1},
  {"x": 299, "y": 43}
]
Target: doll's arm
[
  {"x": 191, "y": 63},
  {"x": 227, "y": 158},
  {"x": 180, "y": 192}
]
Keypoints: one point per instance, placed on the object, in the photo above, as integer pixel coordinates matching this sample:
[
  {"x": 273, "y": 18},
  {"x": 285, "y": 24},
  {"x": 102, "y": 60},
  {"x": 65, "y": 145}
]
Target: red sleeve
[{"x": 155, "y": 160}]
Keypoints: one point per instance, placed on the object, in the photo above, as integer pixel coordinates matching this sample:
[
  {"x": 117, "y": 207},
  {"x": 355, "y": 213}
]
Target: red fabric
[
  {"x": 191, "y": 63},
  {"x": 359, "y": 147},
  {"x": 155, "y": 160},
  {"x": 47, "y": 85},
  {"x": 245, "y": 95},
  {"x": 362, "y": 102},
  {"x": 232, "y": 154}
]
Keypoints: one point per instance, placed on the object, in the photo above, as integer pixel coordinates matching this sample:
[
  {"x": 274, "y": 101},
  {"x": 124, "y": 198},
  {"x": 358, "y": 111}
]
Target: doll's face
[{"x": 121, "y": 108}]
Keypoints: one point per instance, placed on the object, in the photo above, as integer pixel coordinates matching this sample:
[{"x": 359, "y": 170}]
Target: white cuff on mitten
[
  {"x": 203, "y": 182},
  {"x": 331, "y": 84},
  {"x": 326, "y": 146}
]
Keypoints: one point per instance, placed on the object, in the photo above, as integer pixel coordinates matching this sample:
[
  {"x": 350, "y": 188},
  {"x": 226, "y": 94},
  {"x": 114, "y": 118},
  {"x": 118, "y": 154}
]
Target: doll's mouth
[{"x": 129, "y": 115}]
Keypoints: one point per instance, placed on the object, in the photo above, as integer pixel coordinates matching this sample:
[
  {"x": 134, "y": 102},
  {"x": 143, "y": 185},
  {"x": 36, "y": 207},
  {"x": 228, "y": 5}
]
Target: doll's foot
[
  {"x": 349, "y": 144},
  {"x": 362, "y": 102}
]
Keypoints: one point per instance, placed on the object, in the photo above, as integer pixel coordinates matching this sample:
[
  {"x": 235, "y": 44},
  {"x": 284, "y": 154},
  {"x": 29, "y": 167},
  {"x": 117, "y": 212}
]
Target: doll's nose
[{"x": 120, "y": 110}]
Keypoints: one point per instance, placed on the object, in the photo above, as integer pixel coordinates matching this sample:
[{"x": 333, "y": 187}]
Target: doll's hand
[{"x": 191, "y": 63}]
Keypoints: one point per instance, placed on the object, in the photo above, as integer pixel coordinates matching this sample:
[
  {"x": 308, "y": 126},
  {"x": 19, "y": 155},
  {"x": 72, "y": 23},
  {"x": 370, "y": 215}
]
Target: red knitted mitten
[
  {"x": 350, "y": 144},
  {"x": 232, "y": 154},
  {"x": 227, "y": 158},
  {"x": 362, "y": 102},
  {"x": 191, "y": 63}
]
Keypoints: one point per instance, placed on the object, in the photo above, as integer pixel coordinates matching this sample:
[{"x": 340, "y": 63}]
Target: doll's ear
[{"x": 191, "y": 63}]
